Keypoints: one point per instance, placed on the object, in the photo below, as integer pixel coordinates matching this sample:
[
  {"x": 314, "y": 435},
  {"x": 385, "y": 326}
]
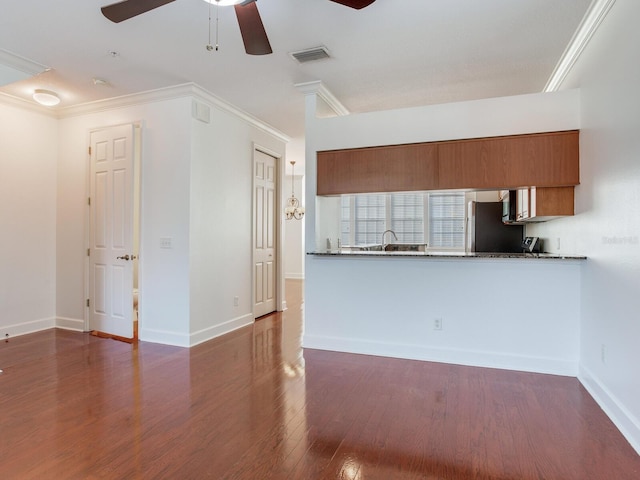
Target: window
[
  {"x": 446, "y": 220},
  {"x": 435, "y": 218}
]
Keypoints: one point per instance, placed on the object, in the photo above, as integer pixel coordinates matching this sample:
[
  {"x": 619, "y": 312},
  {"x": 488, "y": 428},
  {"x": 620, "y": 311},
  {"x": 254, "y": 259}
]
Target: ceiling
[{"x": 392, "y": 54}]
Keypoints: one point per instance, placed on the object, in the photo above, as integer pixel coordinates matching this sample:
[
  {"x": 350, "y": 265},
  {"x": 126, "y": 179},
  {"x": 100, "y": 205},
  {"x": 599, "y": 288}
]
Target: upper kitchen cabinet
[
  {"x": 542, "y": 160},
  {"x": 538, "y": 204},
  {"x": 396, "y": 168}
]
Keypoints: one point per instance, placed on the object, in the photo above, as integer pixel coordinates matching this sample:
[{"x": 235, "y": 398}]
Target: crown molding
[
  {"x": 206, "y": 96},
  {"x": 590, "y": 22},
  {"x": 130, "y": 100},
  {"x": 186, "y": 90},
  {"x": 17, "y": 102},
  {"x": 21, "y": 64},
  {"x": 317, "y": 88}
]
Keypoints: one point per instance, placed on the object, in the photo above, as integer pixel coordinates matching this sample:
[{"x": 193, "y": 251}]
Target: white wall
[
  {"x": 221, "y": 222},
  {"x": 495, "y": 312},
  {"x": 28, "y": 155},
  {"x": 606, "y": 227},
  {"x": 196, "y": 190},
  {"x": 163, "y": 273},
  {"x": 474, "y": 119},
  {"x": 196, "y": 185},
  {"x": 509, "y": 313}
]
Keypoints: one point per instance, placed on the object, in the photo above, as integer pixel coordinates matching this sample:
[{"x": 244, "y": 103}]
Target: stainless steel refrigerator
[{"x": 487, "y": 233}]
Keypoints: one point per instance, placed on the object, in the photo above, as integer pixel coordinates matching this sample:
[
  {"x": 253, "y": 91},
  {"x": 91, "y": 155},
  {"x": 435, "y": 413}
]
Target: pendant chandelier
[{"x": 293, "y": 208}]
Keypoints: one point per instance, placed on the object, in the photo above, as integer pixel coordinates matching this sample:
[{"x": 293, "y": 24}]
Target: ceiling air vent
[{"x": 311, "y": 54}]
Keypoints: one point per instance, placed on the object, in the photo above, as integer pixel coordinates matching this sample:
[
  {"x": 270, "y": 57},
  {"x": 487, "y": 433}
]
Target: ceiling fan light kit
[
  {"x": 225, "y": 3},
  {"x": 254, "y": 35}
]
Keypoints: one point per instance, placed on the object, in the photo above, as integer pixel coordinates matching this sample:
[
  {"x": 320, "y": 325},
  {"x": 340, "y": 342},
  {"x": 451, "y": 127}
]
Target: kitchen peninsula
[
  {"x": 513, "y": 312},
  {"x": 493, "y": 310}
]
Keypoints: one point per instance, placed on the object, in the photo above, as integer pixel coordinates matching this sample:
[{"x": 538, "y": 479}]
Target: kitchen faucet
[{"x": 382, "y": 241}]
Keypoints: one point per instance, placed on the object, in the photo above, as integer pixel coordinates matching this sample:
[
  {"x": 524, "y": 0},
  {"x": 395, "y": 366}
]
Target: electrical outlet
[
  {"x": 236, "y": 301},
  {"x": 166, "y": 242},
  {"x": 558, "y": 243},
  {"x": 437, "y": 324}
]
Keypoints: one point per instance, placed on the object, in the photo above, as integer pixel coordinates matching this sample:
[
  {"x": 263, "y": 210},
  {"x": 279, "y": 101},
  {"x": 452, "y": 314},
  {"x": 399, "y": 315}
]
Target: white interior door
[
  {"x": 111, "y": 231},
  {"x": 264, "y": 243}
]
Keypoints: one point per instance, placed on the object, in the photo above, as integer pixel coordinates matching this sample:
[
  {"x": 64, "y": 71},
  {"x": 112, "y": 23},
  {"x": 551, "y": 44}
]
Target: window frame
[{"x": 468, "y": 196}]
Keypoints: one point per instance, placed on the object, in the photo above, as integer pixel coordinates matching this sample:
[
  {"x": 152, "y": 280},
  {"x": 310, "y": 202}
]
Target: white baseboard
[
  {"x": 628, "y": 425},
  {"x": 182, "y": 340},
  {"x": 217, "y": 330},
  {"x": 163, "y": 337},
  {"x": 294, "y": 276},
  {"x": 458, "y": 357},
  {"x": 27, "y": 327},
  {"x": 75, "y": 324}
]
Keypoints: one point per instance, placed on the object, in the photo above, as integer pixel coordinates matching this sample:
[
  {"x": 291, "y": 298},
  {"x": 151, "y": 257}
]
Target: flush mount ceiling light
[{"x": 46, "y": 97}]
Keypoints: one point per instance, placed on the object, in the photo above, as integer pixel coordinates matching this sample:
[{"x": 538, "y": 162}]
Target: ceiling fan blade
[
  {"x": 118, "y": 12},
  {"x": 357, "y": 4},
  {"x": 252, "y": 30}
]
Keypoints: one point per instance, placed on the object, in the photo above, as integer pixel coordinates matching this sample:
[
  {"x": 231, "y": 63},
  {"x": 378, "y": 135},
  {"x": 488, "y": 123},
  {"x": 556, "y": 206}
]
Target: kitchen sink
[
  {"x": 391, "y": 247},
  {"x": 405, "y": 247}
]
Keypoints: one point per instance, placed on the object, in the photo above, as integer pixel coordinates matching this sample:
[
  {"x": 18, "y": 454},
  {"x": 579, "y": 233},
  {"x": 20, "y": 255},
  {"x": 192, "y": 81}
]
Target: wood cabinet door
[
  {"x": 549, "y": 159},
  {"x": 397, "y": 168},
  {"x": 551, "y": 202},
  {"x": 511, "y": 162}
]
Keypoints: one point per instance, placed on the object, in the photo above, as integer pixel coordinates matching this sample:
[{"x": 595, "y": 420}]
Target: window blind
[
  {"x": 446, "y": 220},
  {"x": 407, "y": 217},
  {"x": 370, "y": 218},
  {"x": 364, "y": 217}
]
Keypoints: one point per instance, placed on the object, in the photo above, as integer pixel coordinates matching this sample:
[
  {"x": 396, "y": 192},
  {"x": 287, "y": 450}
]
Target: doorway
[{"x": 114, "y": 154}]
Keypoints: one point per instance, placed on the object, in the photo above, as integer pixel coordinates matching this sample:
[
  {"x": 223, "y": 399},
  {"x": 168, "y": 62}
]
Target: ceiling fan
[{"x": 252, "y": 30}]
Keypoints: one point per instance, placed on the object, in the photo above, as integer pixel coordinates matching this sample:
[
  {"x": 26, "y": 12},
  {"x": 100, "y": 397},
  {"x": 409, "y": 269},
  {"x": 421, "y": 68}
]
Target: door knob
[{"x": 126, "y": 257}]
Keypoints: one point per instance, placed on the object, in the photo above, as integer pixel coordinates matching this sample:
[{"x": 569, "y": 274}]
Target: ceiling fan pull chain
[
  {"x": 209, "y": 47},
  {"x": 217, "y": 22}
]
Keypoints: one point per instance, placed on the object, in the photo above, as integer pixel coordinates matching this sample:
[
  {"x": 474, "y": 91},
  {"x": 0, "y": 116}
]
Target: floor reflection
[
  {"x": 292, "y": 329},
  {"x": 253, "y": 404}
]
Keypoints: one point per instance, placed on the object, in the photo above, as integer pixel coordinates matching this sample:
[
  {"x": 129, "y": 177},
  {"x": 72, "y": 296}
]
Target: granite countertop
[{"x": 532, "y": 256}]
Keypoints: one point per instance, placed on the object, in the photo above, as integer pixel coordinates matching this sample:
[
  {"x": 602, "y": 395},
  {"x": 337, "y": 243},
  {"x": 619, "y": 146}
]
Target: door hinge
[
  {"x": 89, "y": 201},
  {"x": 88, "y": 302},
  {"x": 88, "y": 252},
  {"x": 89, "y": 150}
]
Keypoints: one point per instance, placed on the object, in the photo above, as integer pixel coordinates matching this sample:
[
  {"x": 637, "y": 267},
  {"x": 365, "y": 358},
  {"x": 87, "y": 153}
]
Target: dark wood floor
[{"x": 251, "y": 405}]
